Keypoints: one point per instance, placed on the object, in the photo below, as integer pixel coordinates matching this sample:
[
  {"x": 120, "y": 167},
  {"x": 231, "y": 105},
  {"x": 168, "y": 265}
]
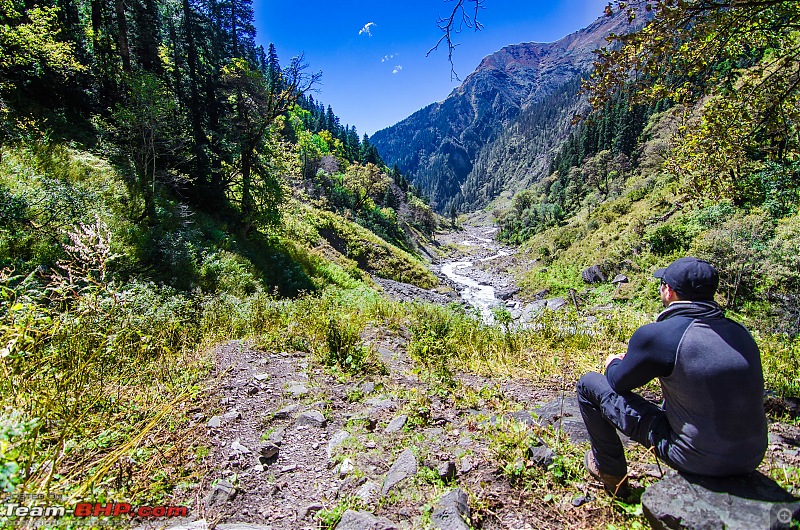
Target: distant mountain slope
[{"x": 437, "y": 147}]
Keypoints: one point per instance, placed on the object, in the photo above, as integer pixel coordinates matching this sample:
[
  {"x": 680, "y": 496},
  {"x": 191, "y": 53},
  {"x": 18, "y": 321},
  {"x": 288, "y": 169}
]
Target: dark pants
[{"x": 604, "y": 412}]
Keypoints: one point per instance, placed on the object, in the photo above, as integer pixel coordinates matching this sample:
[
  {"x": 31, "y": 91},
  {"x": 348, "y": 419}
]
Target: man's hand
[{"x": 614, "y": 356}]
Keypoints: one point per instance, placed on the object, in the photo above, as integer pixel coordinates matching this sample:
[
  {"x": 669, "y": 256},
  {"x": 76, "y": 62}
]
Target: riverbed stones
[
  {"x": 684, "y": 502},
  {"x": 405, "y": 466}
]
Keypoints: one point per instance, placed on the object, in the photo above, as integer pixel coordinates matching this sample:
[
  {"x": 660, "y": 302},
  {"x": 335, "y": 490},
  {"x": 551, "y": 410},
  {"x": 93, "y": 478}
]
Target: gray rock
[
  {"x": 367, "y": 491},
  {"x": 310, "y": 509},
  {"x": 276, "y": 436},
  {"x": 312, "y": 418},
  {"x": 529, "y": 311},
  {"x": 238, "y": 449},
  {"x": 297, "y": 390},
  {"x": 381, "y": 403},
  {"x": 620, "y": 278},
  {"x": 452, "y": 512},
  {"x": 222, "y": 492},
  {"x": 261, "y": 377},
  {"x": 506, "y": 293},
  {"x": 353, "y": 520},
  {"x": 594, "y": 274},
  {"x": 580, "y": 500},
  {"x": 565, "y": 416},
  {"x": 215, "y": 422},
  {"x": 286, "y": 412},
  {"x": 346, "y": 467},
  {"x": 368, "y": 387},
  {"x": 541, "y": 454},
  {"x": 405, "y": 466},
  {"x": 336, "y": 440},
  {"x": 232, "y": 415},
  {"x": 736, "y": 503},
  {"x": 268, "y": 451},
  {"x": 466, "y": 464},
  {"x": 446, "y": 471},
  {"x": 554, "y": 304},
  {"x": 396, "y": 424}
]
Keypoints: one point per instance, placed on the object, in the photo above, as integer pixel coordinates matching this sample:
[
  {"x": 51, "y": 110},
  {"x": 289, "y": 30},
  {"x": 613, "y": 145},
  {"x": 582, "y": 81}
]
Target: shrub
[{"x": 669, "y": 238}]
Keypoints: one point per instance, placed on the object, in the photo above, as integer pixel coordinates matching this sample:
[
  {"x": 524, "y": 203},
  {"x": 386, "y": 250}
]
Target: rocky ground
[{"x": 292, "y": 445}]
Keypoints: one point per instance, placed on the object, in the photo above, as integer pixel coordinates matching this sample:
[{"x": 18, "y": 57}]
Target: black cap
[{"x": 691, "y": 278}]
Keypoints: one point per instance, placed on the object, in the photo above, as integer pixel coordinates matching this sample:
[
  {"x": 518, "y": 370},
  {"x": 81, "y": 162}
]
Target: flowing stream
[{"x": 477, "y": 294}]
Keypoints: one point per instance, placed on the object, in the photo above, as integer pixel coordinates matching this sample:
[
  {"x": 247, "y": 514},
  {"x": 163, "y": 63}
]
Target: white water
[{"x": 477, "y": 294}]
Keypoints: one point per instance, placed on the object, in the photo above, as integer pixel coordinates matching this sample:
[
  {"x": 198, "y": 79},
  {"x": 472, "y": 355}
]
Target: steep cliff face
[{"x": 438, "y": 147}]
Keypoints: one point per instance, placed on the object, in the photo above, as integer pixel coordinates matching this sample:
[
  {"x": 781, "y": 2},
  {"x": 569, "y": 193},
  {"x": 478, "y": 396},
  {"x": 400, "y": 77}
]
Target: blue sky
[{"x": 372, "y": 54}]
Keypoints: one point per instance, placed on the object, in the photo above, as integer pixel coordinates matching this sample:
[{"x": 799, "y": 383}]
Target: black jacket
[{"x": 709, "y": 368}]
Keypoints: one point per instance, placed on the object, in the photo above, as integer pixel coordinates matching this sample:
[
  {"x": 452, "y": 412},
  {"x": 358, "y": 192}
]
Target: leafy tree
[
  {"x": 149, "y": 126},
  {"x": 30, "y": 55},
  {"x": 365, "y": 182},
  {"x": 257, "y": 104},
  {"x": 737, "y": 60}
]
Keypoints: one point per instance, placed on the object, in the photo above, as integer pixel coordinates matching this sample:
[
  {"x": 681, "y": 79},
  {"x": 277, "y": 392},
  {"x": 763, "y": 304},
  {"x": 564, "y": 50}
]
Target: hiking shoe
[{"x": 616, "y": 485}]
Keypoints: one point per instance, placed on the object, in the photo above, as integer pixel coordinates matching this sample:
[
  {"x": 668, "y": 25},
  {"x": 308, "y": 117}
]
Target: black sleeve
[{"x": 651, "y": 353}]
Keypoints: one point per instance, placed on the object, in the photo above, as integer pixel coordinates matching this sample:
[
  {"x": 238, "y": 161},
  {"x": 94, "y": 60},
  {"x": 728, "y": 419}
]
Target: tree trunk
[{"x": 122, "y": 37}]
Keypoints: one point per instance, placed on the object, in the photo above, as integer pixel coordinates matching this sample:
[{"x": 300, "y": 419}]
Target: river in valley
[{"x": 478, "y": 286}]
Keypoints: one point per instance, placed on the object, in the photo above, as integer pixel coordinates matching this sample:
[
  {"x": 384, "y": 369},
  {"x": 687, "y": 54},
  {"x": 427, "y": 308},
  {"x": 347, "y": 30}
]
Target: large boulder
[
  {"x": 594, "y": 274},
  {"x": 737, "y": 503}
]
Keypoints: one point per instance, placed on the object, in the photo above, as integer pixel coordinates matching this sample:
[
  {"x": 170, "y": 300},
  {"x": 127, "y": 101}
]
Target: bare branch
[{"x": 458, "y": 19}]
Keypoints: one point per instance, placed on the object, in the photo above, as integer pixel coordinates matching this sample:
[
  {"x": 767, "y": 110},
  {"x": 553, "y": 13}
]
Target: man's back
[
  {"x": 710, "y": 373},
  {"x": 714, "y": 399}
]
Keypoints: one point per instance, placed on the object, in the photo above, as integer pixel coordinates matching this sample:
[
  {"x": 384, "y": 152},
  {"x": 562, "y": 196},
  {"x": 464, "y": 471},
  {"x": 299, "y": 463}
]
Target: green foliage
[
  {"x": 434, "y": 339},
  {"x": 345, "y": 350},
  {"x": 329, "y": 517},
  {"x": 670, "y": 238},
  {"x": 732, "y": 66},
  {"x": 13, "y": 432},
  {"x": 738, "y": 248}
]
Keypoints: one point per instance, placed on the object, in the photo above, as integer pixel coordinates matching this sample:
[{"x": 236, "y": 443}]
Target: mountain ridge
[{"x": 437, "y": 146}]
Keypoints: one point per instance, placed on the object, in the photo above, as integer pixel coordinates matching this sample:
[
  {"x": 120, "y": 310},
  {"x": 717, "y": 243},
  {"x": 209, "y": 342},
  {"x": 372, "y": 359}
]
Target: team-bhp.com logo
[{"x": 92, "y": 509}]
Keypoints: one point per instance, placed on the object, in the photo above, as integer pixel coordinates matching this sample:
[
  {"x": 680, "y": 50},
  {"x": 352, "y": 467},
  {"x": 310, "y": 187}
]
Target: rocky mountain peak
[{"x": 437, "y": 146}]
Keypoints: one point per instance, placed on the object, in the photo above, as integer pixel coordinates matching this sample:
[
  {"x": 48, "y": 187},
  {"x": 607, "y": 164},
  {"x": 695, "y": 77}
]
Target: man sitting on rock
[{"x": 712, "y": 421}]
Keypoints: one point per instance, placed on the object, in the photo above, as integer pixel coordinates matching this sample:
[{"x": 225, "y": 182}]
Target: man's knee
[{"x": 591, "y": 385}]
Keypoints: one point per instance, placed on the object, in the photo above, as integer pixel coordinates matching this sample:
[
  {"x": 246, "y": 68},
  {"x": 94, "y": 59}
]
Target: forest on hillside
[
  {"x": 178, "y": 97},
  {"x": 711, "y": 116}
]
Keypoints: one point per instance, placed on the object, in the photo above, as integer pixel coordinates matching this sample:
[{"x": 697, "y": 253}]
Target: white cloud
[
  {"x": 367, "y": 29},
  {"x": 388, "y": 57},
  {"x": 397, "y": 68}
]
